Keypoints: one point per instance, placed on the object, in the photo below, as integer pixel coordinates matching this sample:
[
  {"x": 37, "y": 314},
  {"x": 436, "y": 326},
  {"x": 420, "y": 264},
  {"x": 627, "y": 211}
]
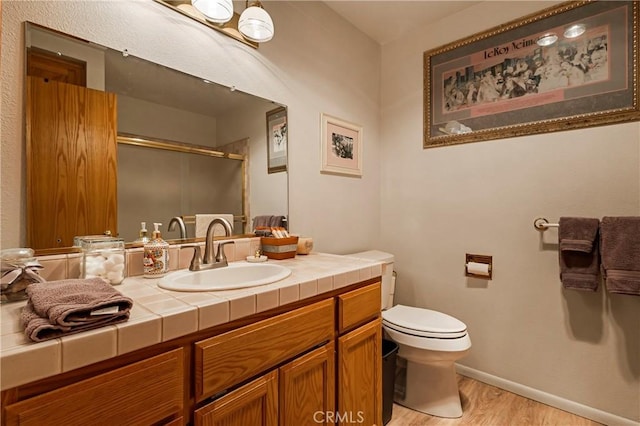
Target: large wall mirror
[{"x": 114, "y": 140}]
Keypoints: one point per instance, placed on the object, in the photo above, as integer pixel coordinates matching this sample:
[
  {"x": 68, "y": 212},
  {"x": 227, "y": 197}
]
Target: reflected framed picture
[
  {"x": 341, "y": 146},
  {"x": 567, "y": 67},
  {"x": 277, "y": 140}
]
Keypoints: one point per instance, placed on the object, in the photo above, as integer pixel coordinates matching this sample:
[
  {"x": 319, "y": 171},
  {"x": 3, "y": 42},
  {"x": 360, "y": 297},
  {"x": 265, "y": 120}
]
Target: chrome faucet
[
  {"x": 180, "y": 222},
  {"x": 199, "y": 263},
  {"x": 220, "y": 261},
  {"x": 208, "y": 243}
]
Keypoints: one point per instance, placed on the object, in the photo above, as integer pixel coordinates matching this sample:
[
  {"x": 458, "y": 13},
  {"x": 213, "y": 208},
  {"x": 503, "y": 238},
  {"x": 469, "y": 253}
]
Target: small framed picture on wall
[
  {"x": 341, "y": 146},
  {"x": 277, "y": 140}
]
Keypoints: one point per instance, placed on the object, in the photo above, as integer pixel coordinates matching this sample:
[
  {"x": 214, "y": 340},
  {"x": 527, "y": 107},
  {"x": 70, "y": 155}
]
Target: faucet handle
[
  {"x": 196, "y": 260},
  {"x": 220, "y": 255}
]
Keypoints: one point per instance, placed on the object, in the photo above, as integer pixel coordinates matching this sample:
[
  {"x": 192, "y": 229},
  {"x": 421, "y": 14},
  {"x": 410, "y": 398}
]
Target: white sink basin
[{"x": 236, "y": 275}]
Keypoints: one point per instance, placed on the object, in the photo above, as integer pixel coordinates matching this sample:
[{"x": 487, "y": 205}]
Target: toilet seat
[{"x": 423, "y": 323}]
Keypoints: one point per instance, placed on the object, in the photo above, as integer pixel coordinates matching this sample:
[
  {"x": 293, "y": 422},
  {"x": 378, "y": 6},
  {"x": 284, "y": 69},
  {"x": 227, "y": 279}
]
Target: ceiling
[{"x": 387, "y": 20}]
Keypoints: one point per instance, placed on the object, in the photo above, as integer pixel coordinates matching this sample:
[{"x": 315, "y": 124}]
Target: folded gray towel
[
  {"x": 62, "y": 307},
  {"x": 620, "y": 243},
  {"x": 261, "y": 221},
  {"x": 579, "y": 256},
  {"x": 277, "y": 221},
  {"x": 39, "y": 329},
  {"x": 268, "y": 221},
  {"x": 577, "y": 233}
]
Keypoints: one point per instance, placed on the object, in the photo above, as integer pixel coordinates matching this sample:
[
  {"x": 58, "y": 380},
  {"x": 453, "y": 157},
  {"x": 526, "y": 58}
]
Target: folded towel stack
[
  {"x": 579, "y": 254},
  {"x": 620, "y": 242},
  {"x": 59, "y": 308}
]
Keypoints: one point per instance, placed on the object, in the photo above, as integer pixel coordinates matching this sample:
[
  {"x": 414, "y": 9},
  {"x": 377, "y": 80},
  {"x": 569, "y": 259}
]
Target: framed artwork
[
  {"x": 570, "y": 66},
  {"x": 277, "y": 140},
  {"x": 341, "y": 146}
]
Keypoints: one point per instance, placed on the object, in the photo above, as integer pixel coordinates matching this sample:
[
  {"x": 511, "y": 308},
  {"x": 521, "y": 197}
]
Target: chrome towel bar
[{"x": 542, "y": 224}]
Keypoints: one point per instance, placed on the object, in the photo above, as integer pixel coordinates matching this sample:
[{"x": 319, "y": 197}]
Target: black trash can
[{"x": 389, "y": 351}]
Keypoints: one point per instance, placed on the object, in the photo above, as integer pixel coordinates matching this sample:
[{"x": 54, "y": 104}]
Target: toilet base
[{"x": 428, "y": 388}]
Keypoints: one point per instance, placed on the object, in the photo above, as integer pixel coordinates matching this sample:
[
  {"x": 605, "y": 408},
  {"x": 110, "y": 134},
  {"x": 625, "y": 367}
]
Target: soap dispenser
[
  {"x": 156, "y": 255},
  {"x": 143, "y": 236}
]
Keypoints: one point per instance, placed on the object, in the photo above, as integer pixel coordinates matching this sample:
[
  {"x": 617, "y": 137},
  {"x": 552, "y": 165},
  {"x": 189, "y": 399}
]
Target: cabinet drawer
[
  {"x": 358, "y": 306},
  {"x": 230, "y": 358},
  {"x": 145, "y": 392}
]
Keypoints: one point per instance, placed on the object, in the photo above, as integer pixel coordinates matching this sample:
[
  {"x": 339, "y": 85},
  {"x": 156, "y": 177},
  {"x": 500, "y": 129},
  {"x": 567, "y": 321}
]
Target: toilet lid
[{"x": 423, "y": 322}]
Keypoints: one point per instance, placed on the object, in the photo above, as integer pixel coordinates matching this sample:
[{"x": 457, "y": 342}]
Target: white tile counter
[{"x": 160, "y": 315}]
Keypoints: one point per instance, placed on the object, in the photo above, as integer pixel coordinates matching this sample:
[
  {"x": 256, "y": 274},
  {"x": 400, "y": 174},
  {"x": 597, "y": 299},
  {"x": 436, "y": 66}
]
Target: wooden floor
[{"x": 483, "y": 404}]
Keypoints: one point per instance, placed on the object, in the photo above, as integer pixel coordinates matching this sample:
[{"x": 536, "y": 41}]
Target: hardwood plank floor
[{"x": 483, "y": 404}]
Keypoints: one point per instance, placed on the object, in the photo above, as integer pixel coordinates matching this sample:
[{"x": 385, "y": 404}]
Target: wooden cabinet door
[
  {"x": 307, "y": 388},
  {"x": 71, "y": 163},
  {"x": 255, "y": 404},
  {"x": 146, "y": 392},
  {"x": 360, "y": 375}
]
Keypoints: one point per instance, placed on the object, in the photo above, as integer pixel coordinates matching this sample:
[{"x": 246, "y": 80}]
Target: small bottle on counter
[
  {"x": 103, "y": 257},
  {"x": 143, "y": 236},
  {"x": 156, "y": 255}
]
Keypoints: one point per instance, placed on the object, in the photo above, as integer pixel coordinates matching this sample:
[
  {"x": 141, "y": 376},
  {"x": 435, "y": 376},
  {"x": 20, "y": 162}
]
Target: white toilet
[{"x": 430, "y": 343}]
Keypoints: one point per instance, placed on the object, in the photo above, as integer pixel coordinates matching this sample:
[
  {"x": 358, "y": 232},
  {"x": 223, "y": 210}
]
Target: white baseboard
[{"x": 547, "y": 398}]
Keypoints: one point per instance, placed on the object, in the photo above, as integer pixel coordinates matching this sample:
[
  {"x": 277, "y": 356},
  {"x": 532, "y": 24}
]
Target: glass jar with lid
[
  {"x": 102, "y": 257},
  {"x": 19, "y": 269}
]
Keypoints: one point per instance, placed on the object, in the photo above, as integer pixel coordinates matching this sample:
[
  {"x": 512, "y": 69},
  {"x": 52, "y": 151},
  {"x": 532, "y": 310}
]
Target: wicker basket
[{"x": 279, "y": 248}]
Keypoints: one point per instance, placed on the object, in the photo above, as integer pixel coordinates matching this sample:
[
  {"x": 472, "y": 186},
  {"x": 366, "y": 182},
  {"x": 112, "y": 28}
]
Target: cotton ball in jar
[
  {"x": 93, "y": 266},
  {"x": 116, "y": 258},
  {"x": 115, "y": 277},
  {"x": 108, "y": 265},
  {"x": 118, "y": 267}
]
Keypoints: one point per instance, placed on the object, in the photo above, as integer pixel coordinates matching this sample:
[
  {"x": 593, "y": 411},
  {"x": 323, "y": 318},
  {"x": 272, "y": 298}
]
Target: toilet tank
[{"x": 388, "y": 278}]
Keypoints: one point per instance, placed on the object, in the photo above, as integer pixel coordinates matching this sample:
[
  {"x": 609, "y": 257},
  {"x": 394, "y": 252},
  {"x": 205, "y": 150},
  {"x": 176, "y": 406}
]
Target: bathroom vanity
[{"x": 307, "y": 361}]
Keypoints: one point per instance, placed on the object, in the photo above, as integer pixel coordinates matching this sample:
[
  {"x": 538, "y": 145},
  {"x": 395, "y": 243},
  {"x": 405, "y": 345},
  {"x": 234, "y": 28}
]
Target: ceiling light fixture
[
  {"x": 255, "y": 23},
  {"x": 575, "y": 30},
  {"x": 218, "y": 11},
  {"x": 547, "y": 39}
]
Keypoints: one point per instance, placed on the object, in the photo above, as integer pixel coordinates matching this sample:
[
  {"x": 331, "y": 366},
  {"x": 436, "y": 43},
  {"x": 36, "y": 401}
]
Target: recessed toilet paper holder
[{"x": 478, "y": 266}]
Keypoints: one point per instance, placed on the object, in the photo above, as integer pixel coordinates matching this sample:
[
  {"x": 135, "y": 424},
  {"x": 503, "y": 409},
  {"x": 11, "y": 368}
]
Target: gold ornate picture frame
[{"x": 570, "y": 66}]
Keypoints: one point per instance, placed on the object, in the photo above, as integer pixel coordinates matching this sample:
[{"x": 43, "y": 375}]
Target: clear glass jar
[
  {"x": 103, "y": 257},
  {"x": 19, "y": 269}
]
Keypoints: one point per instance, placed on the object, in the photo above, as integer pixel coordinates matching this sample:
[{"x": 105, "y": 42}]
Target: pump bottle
[{"x": 156, "y": 255}]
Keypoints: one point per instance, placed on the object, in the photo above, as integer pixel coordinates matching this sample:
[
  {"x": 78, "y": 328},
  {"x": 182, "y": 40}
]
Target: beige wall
[{"x": 482, "y": 198}]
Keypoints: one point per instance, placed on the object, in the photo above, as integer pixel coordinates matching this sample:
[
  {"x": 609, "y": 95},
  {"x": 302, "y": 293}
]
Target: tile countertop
[{"x": 159, "y": 315}]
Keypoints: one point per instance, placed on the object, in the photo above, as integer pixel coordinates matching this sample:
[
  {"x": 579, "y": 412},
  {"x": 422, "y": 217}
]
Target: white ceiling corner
[{"x": 388, "y": 20}]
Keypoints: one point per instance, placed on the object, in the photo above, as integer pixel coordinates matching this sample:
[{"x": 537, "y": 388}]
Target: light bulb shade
[
  {"x": 218, "y": 11},
  {"x": 256, "y": 24},
  {"x": 575, "y": 31},
  {"x": 547, "y": 39}
]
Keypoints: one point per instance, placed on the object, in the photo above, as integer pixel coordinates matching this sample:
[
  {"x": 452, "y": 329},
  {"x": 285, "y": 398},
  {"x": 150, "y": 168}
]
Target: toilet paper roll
[{"x": 478, "y": 268}]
